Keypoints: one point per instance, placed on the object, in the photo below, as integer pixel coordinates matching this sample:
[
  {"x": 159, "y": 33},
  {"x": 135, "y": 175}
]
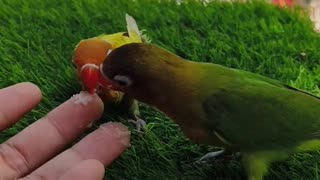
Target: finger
[
  {"x": 45, "y": 138},
  {"x": 16, "y": 101},
  {"x": 105, "y": 145},
  {"x": 85, "y": 170}
]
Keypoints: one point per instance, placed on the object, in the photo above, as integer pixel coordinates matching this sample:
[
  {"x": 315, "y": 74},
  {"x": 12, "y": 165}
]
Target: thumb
[{"x": 86, "y": 170}]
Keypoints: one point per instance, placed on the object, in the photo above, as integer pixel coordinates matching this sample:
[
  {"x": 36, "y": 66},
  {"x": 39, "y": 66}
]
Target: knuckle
[
  {"x": 58, "y": 127},
  {"x": 14, "y": 157}
]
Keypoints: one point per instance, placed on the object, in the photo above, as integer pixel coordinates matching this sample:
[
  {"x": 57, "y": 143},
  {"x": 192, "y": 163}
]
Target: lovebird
[
  {"x": 263, "y": 119},
  {"x": 89, "y": 54}
]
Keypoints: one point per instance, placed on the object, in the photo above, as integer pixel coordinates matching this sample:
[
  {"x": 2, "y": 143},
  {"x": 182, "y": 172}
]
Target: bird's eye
[{"x": 123, "y": 81}]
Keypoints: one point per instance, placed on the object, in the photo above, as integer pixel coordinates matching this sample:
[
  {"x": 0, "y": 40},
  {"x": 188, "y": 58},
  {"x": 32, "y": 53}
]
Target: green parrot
[{"x": 263, "y": 119}]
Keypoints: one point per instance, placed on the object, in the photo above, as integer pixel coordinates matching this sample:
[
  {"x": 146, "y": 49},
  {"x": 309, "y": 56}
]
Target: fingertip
[
  {"x": 25, "y": 88},
  {"x": 33, "y": 89},
  {"x": 106, "y": 144},
  {"x": 18, "y": 100},
  {"x": 119, "y": 131}
]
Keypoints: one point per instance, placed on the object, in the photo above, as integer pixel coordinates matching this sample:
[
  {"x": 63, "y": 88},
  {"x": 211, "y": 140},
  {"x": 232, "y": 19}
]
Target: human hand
[{"x": 34, "y": 152}]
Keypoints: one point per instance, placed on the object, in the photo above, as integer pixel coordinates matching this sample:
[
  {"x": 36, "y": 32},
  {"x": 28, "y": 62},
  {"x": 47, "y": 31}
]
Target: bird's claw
[
  {"x": 209, "y": 156},
  {"x": 140, "y": 123}
]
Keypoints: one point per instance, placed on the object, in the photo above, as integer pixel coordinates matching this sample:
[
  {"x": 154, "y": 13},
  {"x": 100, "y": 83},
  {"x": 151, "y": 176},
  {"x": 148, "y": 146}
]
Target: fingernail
[{"x": 118, "y": 130}]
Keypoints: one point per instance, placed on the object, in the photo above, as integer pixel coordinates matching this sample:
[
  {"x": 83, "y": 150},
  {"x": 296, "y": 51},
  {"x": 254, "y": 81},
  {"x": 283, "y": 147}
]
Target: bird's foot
[
  {"x": 140, "y": 123},
  {"x": 221, "y": 156},
  {"x": 210, "y": 156}
]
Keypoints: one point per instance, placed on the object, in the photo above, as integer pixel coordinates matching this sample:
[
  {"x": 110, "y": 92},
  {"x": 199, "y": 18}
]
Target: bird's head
[
  {"x": 87, "y": 57},
  {"x": 141, "y": 70}
]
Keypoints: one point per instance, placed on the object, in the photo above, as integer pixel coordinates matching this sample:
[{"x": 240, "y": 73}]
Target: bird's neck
[{"x": 178, "y": 92}]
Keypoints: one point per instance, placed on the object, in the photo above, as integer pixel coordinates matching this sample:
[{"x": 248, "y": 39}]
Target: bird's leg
[
  {"x": 257, "y": 163},
  {"x": 256, "y": 166},
  {"x": 135, "y": 113},
  {"x": 132, "y": 106},
  {"x": 140, "y": 123},
  {"x": 128, "y": 105},
  {"x": 210, "y": 156}
]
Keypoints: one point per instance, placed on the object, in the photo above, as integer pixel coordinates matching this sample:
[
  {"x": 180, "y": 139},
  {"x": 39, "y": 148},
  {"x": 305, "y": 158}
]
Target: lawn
[{"x": 37, "y": 39}]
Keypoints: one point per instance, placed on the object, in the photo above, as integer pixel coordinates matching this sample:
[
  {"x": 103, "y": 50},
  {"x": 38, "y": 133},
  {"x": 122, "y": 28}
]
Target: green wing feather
[{"x": 257, "y": 113}]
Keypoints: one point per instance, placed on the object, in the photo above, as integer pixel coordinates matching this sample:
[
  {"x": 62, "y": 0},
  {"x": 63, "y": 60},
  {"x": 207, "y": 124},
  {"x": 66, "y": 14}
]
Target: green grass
[{"x": 37, "y": 39}]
